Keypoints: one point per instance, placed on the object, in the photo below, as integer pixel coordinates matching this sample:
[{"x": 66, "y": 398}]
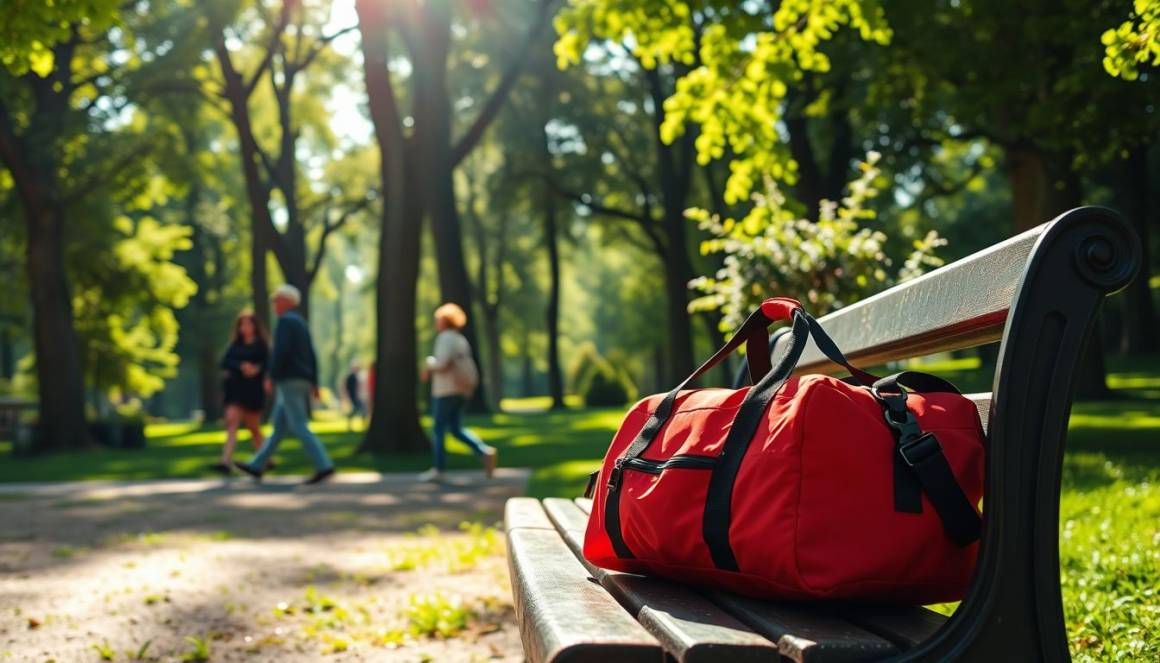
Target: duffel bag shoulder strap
[{"x": 919, "y": 462}]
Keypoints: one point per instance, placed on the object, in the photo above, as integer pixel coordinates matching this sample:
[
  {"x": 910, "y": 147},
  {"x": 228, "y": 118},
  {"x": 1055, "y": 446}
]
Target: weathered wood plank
[
  {"x": 525, "y": 513},
  {"x": 570, "y": 521},
  {"x": 983, "y": 405},
  {"x": 563, "y": 615},
  {"x": 960, "y": 305},
  {"x": 690, "y": 627},
  {"x": 585, "y": 504},
  {"x": 905, "y": 626},
  {"x": 805, "y": 634}
]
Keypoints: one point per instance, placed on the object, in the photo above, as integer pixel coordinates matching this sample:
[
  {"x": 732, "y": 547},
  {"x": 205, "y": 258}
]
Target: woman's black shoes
[
  {"x": 252, "y": 471},
  {"x": 319, "y": 476},
  {"x": 221, "y": 468}
]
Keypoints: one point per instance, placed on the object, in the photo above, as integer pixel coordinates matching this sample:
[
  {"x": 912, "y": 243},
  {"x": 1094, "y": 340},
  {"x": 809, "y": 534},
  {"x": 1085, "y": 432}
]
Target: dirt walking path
[{"x": 367, "y": 568}]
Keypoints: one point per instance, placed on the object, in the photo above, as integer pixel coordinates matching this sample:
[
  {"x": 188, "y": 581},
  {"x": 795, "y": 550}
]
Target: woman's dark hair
[{"x": 259, "y": 329}]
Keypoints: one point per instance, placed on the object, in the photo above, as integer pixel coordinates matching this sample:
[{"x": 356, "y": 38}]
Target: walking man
[{"x": 294, "y": 374}]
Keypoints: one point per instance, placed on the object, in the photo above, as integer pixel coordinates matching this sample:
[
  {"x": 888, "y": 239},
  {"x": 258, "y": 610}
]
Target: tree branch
[
  {"x": 272, "y": 47},
  {"x": 317, "y": 47},
  {"x": 328, "y": 228},
  {"x": 104, "y": 175},
  {"x": 498, "y": 96}
]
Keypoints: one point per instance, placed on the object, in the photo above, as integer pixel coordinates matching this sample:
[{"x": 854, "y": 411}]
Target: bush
[
  {"x": 607, "y": 388},
  {"x": 601, "y": 382},
  {"x": 585, "y": 363}
]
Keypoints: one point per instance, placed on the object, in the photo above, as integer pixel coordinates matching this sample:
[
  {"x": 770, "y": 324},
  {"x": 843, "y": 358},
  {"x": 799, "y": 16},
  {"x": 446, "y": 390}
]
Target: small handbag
[{"x": 803, "y": 487}]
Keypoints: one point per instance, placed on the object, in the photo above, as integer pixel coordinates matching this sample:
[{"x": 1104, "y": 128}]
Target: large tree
[
  {"x": 53, "y": 95},
  {"x": 291, "y": 45},
  {"x": 419, "y": 155}
]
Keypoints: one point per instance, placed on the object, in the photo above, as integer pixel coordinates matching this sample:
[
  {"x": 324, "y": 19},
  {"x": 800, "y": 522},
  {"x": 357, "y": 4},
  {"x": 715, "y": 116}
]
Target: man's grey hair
[{"x": 289, "y": 293}]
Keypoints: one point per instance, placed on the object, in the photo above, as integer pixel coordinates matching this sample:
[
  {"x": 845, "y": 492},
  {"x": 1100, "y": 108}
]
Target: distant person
[
  {"x": 352, "y": 385},
  {"x": 454, "y": 378},
  {"x": 243, "y": 390},
  {"x": 294, "y": 378}
]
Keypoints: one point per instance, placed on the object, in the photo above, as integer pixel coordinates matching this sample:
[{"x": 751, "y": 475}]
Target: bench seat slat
[
  {"x": 690, "y": 627},
  {"x": 585, "y": 504},
  {"x": 570, "y": 521},
  {"x": 805, "y": 634},
  {"x": 905, "y": 626},
  {"x": 563, "y": 615},
  {"x": 525, "y": 513}
]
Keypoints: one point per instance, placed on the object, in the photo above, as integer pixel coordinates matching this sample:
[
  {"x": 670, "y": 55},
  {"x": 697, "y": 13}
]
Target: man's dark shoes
[
  {"x": 252, "y": 471},
  {"x": 319, "y": 477}
]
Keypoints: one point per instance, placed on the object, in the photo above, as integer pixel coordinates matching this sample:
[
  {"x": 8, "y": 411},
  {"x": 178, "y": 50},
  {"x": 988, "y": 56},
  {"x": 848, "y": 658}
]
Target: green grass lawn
[{"x": 1109, "y": 512}]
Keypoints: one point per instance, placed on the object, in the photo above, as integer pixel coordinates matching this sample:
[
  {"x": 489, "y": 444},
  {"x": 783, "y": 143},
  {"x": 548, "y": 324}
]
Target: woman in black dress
[{"x": 244, "y": 388}]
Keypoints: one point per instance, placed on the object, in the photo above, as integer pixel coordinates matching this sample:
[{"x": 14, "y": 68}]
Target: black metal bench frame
[{"x": 1038, "y": 293}]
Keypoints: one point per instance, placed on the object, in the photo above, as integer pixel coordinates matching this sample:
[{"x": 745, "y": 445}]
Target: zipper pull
[{"x": 615, "y": 474}]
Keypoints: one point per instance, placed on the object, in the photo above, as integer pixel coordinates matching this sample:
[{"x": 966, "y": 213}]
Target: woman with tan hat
[{"x": 454, "y": 378}]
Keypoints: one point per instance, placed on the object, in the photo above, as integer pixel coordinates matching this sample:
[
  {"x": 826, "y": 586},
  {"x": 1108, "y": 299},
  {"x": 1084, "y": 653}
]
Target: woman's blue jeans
[{"x": 447, "y": 413}]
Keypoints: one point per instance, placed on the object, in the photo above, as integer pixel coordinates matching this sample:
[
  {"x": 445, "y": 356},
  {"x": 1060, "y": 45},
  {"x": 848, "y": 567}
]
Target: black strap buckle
[{"x": 917, "y": 450}]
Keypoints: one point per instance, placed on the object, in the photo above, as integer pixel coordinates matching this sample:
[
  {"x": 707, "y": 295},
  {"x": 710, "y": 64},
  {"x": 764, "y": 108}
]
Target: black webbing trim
[
  {"x": 959, "y": 518},
  {"x": 830, "y": 349},
  {"x": 752, "y": 331},
  {"x": 718, "y": 503},
  {"x": 907, "y": 489},
  {"x": 919, "y": 463},
  {"x": 915, "y": 381}
]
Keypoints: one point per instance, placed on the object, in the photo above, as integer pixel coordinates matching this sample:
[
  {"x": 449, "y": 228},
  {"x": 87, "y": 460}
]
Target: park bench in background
[{"x": 1038, "y": 293}]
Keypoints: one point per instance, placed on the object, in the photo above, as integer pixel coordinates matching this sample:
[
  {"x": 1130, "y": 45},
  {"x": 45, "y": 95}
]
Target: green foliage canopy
[
  {"x": 1135, "y": 42},
  {"x": 737, "y": 68},
  {"x": 29, "y": 29}
]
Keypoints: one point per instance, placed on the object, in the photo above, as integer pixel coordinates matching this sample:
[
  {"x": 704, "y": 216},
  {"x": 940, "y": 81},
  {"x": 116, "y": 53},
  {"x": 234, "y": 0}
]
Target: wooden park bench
[{"x": 1038, "y": 293}]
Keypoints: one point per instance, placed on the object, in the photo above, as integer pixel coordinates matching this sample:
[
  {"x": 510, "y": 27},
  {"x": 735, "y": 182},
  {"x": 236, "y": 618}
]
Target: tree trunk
[
  {"x": 552, "y": 242},
  {"x": 494, "y": 355},
  {"x": 31, "y": 163},
  {"x": 209, "y": 382},
  {"x": 60, "y": 388},
  {"x": 395, "y": 423},
  {"x": 338, "y": 370},
  {"x": 555, "y": 375},
  {"x": 527, "y": 374},
  {"x": 7, "y": 353},
  {"x": 259, "y": 281},
  {"x": 1027, "y": 174},
  {"x": 1139, "y": 329},
  {"x": 675, "y": 169},
  {"x": 438, "y": 167}
]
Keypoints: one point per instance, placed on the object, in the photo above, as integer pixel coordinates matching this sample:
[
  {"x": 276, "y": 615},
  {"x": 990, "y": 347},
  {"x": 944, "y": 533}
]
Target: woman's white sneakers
[{"x": 430, "y": 476}]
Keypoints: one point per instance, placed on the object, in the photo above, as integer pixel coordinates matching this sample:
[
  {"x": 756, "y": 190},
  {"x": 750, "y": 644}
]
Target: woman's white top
[{"x": 450, "y": 345}]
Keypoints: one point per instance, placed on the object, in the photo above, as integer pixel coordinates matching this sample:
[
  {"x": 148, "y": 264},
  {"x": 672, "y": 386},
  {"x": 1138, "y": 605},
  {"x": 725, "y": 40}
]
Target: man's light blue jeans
[{"x": 290, "y": 418}]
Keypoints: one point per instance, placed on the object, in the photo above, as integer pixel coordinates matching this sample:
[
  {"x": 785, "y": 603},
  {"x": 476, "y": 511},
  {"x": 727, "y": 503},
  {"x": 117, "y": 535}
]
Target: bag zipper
[{"x": 683, "y": 462}]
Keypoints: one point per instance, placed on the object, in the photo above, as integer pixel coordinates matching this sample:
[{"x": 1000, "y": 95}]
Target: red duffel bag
[{"x": 797, "y": 487}]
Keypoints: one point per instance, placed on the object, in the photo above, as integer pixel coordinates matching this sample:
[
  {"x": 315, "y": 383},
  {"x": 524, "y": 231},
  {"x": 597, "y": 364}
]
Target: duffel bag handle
[{"x": 754, "y": 334}]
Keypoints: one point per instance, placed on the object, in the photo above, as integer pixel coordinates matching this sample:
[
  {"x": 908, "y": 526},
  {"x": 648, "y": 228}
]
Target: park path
[{"x": 368, "y": 567}]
